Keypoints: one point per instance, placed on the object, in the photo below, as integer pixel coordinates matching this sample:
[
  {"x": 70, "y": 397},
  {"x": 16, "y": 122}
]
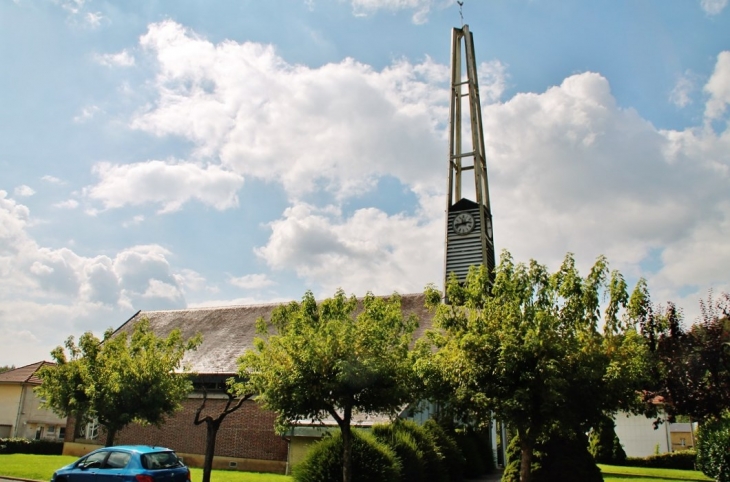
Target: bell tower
[{"x": 469, "y": 235}]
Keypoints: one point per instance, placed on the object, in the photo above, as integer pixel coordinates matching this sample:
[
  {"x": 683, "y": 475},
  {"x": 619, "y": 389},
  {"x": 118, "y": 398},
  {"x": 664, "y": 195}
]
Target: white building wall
[
  {"x": 9, "y": 402},
  {"x": 638, "y": 436}
]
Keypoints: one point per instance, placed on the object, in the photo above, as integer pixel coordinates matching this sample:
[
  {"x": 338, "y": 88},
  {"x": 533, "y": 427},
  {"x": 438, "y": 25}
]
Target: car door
[
  {"x": 87, "y": 468},
  {"x": 115, "y": 467}
]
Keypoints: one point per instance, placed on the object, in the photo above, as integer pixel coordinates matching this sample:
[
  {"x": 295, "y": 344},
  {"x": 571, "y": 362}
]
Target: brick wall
[{"x": 247, "y": 433}]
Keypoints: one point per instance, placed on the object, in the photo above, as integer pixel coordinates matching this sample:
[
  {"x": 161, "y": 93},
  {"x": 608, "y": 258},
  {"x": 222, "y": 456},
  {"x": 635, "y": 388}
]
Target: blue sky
[{"x": 173, "y": 154}]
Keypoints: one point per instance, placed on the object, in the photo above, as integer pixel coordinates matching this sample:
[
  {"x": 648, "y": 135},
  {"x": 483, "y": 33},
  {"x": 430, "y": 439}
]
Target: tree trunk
[
  {"x": 211, "y": 434},
  {"x": 346, "y": 431},
  {"x": 527, "y": 447},
  {"x": 346, "y": 453},
  {"x": 212, "y": 425},
  {"x": 111, "y": 433}
]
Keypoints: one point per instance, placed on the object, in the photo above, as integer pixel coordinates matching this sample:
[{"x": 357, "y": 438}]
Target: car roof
[{"x": 142, "y": 449}]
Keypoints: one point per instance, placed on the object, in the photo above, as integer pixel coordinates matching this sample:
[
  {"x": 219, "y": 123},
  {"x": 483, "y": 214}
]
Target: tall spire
[{"x": 469, "y": 236}]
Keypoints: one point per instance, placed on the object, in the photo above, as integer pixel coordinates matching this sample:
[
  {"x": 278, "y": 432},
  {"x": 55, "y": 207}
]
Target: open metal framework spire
[{"x": 469, "y": 235}]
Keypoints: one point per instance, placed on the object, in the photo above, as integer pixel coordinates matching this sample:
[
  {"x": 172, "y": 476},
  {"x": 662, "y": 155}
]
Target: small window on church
[
  {"x": 51, "y": 429},
  {"x": 683, "y": 442}
]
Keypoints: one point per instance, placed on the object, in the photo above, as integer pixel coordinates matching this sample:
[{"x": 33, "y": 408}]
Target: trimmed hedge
[
  {"x": 405, "y": 448},
  {"x": 713, "y": 449},
  {"x": 447, "y": 447},
  {"x": 372, "y": 461},
  {"x": 432, "y": 459},
  {"x": 682, "y": 460},
  {"x": 33, "y": 447},
  {"x": 469, "y": 446}
]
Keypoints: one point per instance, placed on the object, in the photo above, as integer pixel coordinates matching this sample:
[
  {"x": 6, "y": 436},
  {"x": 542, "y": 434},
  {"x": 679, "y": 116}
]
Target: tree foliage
[
  {"x": 713, "y": 449},
  {"x": 6, "y": 368},
  {"x": 119, "y": 379},
  {"x": 692, "y": 373},
  {"x": 528, "y": 350},
  {"x": 332, "y": 358}
]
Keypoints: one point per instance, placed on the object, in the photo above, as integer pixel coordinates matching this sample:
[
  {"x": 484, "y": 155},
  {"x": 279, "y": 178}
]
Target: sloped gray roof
[{"x": 229, "y": 331}]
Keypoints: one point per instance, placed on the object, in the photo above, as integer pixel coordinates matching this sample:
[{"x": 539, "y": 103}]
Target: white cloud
[
  {"x": 52, "y": 293},
  {"x": 87, "y": 113},
  {"x": 251, "y": 281},
  {"x": 138, "y": 219},
  {"x": 68, "y": 204},
  {"x": 52, "y": 180},
  {"x": 24, "y": 191},
  {"x": 492, "y": 81},
  {"x": 683, "y": 89},
  {"x": 340, "y": 126},
  {"x": 170, "y": 184},
  {"x": 422, "y": 7},
  {"x": 71, "y": 6},
  {"x": 713, "y": 7},
  {"x": 189, "y": 280},
  {"x": 119, "y": 59},
  {"x": 93, "y": 19},
  {"x": 718, "y": 87},
  {"x": 369, "y": 251}
]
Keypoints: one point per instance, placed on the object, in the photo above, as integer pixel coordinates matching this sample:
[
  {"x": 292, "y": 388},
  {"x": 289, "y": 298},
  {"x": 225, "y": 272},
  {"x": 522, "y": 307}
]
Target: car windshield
[{"x": 160, "y": 460}]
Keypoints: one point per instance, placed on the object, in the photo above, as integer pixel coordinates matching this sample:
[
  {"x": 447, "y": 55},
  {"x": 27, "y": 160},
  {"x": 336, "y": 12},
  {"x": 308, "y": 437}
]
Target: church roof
[{"x": 229, "y": 331}]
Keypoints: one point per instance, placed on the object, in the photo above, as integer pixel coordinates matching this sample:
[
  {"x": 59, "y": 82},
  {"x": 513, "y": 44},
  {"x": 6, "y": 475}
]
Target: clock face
[
  {"x": 463, "y": 223},
  {"x": 489, "y": 227}
]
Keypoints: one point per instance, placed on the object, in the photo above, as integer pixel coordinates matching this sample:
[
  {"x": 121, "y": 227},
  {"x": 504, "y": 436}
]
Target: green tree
[
  {"x": 713, "y": 449},
  {"x": 119, "y": 379},
  {"x": 527, "y": 350},
  {"x": 322, "y": 360},
  {"x": 6, "y": 368}
]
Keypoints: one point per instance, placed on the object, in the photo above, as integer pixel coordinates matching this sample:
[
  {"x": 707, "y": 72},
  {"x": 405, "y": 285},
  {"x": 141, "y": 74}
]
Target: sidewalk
[{"x": 493, "y": 477}]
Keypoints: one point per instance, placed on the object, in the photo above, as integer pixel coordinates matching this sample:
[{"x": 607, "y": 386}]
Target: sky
[{"x": 163, "y": 155}]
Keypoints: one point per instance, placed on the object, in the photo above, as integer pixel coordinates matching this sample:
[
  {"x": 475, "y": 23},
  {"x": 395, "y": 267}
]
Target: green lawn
[
  {"x": 41, "y": 467},
  {"x": 614, "y": 473}
]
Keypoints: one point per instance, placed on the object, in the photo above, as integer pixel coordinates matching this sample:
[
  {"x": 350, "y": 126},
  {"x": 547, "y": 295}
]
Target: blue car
[{"x": 125, "y": 463}]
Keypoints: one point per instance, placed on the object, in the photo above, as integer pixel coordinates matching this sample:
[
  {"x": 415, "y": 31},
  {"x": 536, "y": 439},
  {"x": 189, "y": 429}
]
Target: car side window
[
  {"x": 117, "y": 460},
  {"x": 93, "y": 461}
]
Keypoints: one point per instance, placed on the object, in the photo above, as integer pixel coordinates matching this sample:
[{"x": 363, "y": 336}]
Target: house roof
[
  {"x": 26, "y": 374},
  {"x": 229, "y": 331}
]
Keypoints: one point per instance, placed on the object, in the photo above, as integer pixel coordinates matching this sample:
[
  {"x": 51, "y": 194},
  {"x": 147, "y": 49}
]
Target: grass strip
[{"x": 616, "y": 473}]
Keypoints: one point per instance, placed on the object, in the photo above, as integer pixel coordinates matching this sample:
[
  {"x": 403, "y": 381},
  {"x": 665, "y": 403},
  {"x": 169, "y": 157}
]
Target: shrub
[
  {"x": 713, "y": 449},
  {"x": 561, "y": 458},
  {"x": 469, "y": 446},
  {"x": 605, "y": 446},
  {"x": 681, "y": 460},
  {"x": 372, "y": 461},
  {"x": 484, "y": 443},
  {"x": 514, "y": 454},
  {"x": 34, "y": 447},
  {"x": 446, "y": 446},
  {"x": 566, "y": 458},
  {"x": 434, "y": 464},
  {"x": 406, "y": 449}
]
